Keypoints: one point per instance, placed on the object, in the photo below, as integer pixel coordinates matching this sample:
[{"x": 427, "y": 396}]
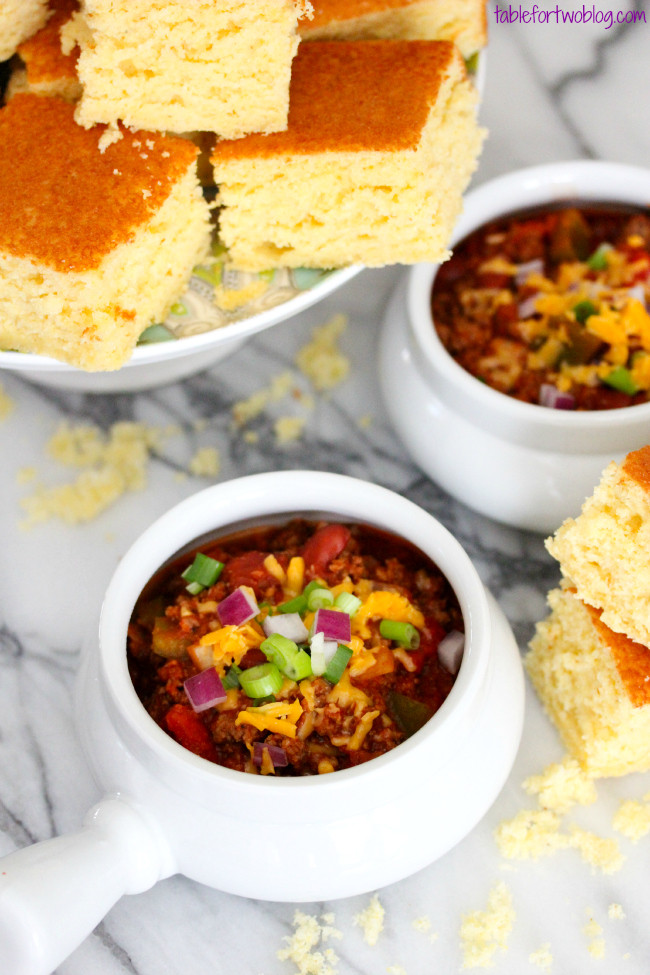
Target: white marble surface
[{"x": 552, "y": 93}]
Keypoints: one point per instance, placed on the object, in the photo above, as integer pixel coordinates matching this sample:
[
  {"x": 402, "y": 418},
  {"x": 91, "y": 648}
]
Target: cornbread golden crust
[
  {"x": 93, "y": 246},
  {"x": 218, "y": 66},
  {"x": 381, "y": 142},
  {"x": 595, "y": 686},
  {"x": 42, "y": 67},
  {"x": 461, "y": 21},
  {"x": 604, "y": 551},
  {"x": 19, "y": 19}
]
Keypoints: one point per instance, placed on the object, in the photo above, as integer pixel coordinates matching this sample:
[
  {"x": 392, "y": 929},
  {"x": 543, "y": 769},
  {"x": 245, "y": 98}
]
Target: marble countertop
[{"x": 552, "y": 93}]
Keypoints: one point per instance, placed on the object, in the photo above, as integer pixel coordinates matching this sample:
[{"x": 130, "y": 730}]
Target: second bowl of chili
[{"x": 533, "y": 379}]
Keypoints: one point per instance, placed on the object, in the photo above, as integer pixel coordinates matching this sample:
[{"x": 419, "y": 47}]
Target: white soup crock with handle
[{"x": 165, "y": 811}]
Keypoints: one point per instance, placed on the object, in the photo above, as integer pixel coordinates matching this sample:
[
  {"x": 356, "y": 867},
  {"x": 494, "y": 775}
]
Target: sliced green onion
[
  {"x": 309, "y": 588},
  {"x": 319, "y": 599},
  {"x": 583, "y": 310},
  {"x": 231, "y": 678},
  {"x": 621, "y": 378},
  {"x": 338, "y": 663},
  {"x": 403, "y": 633},
  {"x": 299, "y": 666},
  {"x": 598, "y": 260},
  {"x": 203, "y": 572},
  {"x": 279, "y": 649},
  {"x": 259, "y": 701},
  {"x": 296, "y": 605},
  {"x": 347, "y": 602},
  {"x": 261, "y": 681}
]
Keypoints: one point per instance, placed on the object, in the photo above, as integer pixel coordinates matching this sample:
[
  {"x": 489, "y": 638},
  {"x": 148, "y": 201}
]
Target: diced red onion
[
  {"x": 204, "y": 690},
  {"x": 322, "y": 651},
  {"x": 277, "y": 754},
  {"x": 526, "y": 308},
  {"x": 550, "y": 396},
  {"x": 530, "y": 267},
  {"x": 333, "y": 624},
  {"x": 450, "y": 651},
  {"x": 286, "y": 624},
  {"x": 237, "y": 608}
]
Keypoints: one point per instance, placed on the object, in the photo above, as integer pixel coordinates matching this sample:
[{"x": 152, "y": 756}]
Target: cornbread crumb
[
  {"x": 205, "y": 462},
  {"x": 25, "y": 475},
  {"x": 599, "y": 851},
  {"x": 6, "y": 404},
  {"x": 542, "y": 958},
  {"x": 308, "y": 934},
  {"x": 531, "y": 834},
  {"x": 615, "y": 912},
  {"x": 423, "y": 924},
  {"x": 247, "y": 409},
  {"x": 561, "y": 786},
  {"x": 371, "y": 920},
  {"x": 251, "y": 436},
  {"x": 365, "y": 421},
  {"x": 632, "y": 819},
  {"x": 395, "y": 970},
  {"x": 482, "y": 933},
  {"x": 320, "y": 360},
  {"x": 112, "y": 465},
  {"x": 596, "y": 947},
  {"x": 288, "y": 429},
  {"x": 230, "y": 299}
]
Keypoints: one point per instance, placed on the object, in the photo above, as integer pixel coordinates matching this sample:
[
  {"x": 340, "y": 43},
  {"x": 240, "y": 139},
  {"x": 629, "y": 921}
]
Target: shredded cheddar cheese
[
  {"x": 387, "y": 605},
  {"x": 279, "y": 717}
]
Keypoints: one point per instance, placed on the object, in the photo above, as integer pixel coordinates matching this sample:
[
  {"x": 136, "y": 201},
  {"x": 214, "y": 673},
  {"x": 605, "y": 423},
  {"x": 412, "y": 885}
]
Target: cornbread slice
[
  {"x": 42, "y": 67},
  {"x": 381, "y": 142},
  {"x": 19, "y": 19},
  {"x": 93, "y": 246},
  {"x": 461, "y": 21},
  {"x": 605, "y": 549},
  {"x": 594, "y": 684},
  {"x": 182, "y": 65}
]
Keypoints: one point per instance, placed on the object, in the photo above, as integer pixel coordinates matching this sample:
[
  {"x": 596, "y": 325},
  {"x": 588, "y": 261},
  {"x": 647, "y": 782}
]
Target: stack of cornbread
[
  {"x": 589, "y": 661},
  {"x": 351, "y": 150}
]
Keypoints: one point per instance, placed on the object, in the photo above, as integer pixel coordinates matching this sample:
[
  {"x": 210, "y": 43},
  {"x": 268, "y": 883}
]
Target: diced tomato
[
  {"x": 188, "y": 730},
  {"x": 430, "y": 636},
  {"x": 323, "y": 546},
  {"x": 248, "y": 570}
]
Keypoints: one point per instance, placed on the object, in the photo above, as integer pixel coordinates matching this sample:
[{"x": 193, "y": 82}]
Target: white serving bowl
[
  {"x": 160, "y": 363},
  {"x": 519, "y": 463},
  {"x": 168, "y": 811}
]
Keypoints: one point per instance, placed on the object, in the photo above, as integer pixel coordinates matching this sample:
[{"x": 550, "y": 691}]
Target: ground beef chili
[
  {"x": 328, "y": 710},
  {"x": 551, "y": 306}
]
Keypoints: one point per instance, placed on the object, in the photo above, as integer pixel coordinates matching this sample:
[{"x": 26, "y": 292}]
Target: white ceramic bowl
[
  {"x": 159, "y": 363},
  {"x": 166, "y": 810},
  {"x": 521, "y": 464}
]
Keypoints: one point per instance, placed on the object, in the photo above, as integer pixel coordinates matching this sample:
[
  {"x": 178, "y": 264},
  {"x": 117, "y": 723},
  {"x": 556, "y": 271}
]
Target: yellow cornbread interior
[
  {"x": 94, "y": 246},
  {"x": 191, "y": 64},
  {"x": 19, "y": 19},
  {"x": 594, "y": 686},
  {"x": 93, "y": 319},
  {"x": 605, "y": 549},
  {"x": 391, "y": 197},
  {"x": 461, "y": 21},
  {"x": 41, "y": 66}
]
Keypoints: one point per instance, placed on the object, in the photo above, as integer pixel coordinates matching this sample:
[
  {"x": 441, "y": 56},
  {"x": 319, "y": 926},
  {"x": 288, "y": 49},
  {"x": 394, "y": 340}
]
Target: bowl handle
[{"x": 54, "y": 893}]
